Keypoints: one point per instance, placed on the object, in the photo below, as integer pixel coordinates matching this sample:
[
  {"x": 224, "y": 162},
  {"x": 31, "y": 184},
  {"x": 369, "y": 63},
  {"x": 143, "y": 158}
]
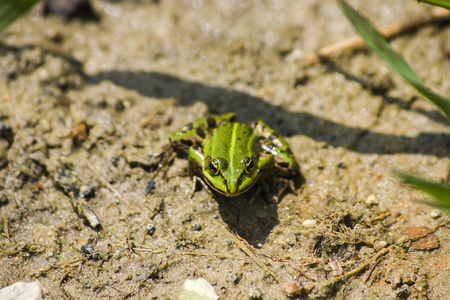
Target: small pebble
[
  {"x": 295, "y": 55},
  {"x": 309, "y": 223},
  {"x": 86, "y": 212},
  {"x": 396, "y": 281},
  {"x": 372, "y": 200},
  {"x": 291, "y": 289},
  {"x": 89, "y": 252},
  {"x": 382, "y": 244},
  {"x": 80, "y": 133},
  {"x": 197, "y": 289},
  {"x": 435, "y": 214},
  {"x": 151, "y": 229},
  {"x": 73, "y": 191},
  {"x": 151, "y": 185},
  {"x": 22, "y": 291},
  {"x": 197, "y": 227},
  {"x": 234, "y": 278},
  {"x": 87, "y": 191}
]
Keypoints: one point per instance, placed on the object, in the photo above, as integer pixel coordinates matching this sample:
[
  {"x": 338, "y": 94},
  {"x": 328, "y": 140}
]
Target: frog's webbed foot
[
  {"x": 288, "y": 185},
  {"x": 255, "y": 194},
  {"x": 282, "y": 190}
]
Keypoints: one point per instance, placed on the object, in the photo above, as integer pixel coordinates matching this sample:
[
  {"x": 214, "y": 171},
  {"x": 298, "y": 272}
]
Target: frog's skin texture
[{"x": 231, "y": 156}]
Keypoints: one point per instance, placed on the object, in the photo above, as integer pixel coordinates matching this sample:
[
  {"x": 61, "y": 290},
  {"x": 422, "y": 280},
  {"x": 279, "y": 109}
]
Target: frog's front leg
[
  {"x": 284, "y": 160},
  {"x": 196, "y": 158}
]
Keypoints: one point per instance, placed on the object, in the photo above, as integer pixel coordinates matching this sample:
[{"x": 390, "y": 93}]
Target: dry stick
[
  {"x": 389, "y": 32},
  {"x": 364, "y": 265},
  {"x": 167, "y": 152},
  {"x": 242, "y": 247},
  {"x": 380, "y": 217},
  {"x": 144, "y": 248},
  {"x": 351, "y": 273},
  {"x": 210, "y": 255},
  {"x": 371, "y": 270},
  {"x": 8, "y": 233},
  {"x": 57, "y": 266},
  {"x": 104, "y": 181},
  {"x": 377, "y": 257},
  {"x": 247, "y": 251},
  {"x": 11, "y": 252}
]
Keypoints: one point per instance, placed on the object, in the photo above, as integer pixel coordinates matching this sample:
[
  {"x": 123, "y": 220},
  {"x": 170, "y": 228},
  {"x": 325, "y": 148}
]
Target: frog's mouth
[{"x": 229, "y": 194}]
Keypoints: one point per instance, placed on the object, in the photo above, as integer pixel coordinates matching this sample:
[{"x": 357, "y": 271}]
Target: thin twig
[
  {"x": 246, "y": 250},
  {"x": 209, "y": 255},
  {"x": 143, "y": 248},
  {"x": 371, "y": 270},
  {"x": 8, "y": 233},
  {"x": 104, "y": 181},
  {"x": 376, "y": 257},
  {"x": 380, "y": 217},
  {"x": 167, "y": 153},
  {"x": 390, "y": 31},
  {"x": 364, "y": 265}
]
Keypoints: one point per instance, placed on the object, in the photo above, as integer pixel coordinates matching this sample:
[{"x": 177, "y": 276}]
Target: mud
[{"x": 85, "y": 105}]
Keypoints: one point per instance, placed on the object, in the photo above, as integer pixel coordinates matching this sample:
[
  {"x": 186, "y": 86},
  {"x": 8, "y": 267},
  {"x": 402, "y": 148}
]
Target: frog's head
[{"x": 231, "y": 178}]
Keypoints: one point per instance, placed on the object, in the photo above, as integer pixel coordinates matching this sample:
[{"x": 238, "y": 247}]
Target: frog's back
[{"x": 231, "y": 141}]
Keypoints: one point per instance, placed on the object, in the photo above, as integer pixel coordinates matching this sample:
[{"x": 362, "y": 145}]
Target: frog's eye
[
  {"x": 214, "y": 167},
  {"x": 249, "y": 165}
]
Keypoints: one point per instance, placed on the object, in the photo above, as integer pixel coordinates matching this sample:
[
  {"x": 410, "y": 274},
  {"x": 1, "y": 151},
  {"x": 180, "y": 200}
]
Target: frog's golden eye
[
  {"x": 214, "y": 167},
  {"x": 249, "y": 165}
]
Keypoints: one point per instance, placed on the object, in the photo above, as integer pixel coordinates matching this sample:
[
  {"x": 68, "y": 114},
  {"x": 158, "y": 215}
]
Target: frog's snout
[{"x": 233, "y": 187}]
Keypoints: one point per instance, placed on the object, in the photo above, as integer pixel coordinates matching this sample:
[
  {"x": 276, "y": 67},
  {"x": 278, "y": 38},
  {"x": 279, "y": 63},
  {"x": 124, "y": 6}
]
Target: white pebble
[
  {"x": 435, "y": 214},
  {"x": 372, "y": 200},
  {"x": 309, "y": 223},
  {"x": 197, "y": 289},
  {"x": 22, "y": 291},
  {"x": 382, "y": 244}
]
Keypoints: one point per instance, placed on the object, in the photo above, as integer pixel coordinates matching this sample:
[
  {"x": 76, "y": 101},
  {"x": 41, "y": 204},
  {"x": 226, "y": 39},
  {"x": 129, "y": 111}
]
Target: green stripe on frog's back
[
  {"x": 202, "y": 127},
  {"x": 230, "y": 144}
]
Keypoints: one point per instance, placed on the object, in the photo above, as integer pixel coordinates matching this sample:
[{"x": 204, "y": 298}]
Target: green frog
[{"x": 231, "y": 156}]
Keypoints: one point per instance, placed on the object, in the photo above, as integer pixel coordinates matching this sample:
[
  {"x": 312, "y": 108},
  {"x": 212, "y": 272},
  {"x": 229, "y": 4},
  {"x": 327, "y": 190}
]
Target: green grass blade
[
  {"x": 439, "y": 192},
  {"x": 12, "y": 9},
  {"x": 378, "y": 43},
  {"x": 441, "y": 3}
]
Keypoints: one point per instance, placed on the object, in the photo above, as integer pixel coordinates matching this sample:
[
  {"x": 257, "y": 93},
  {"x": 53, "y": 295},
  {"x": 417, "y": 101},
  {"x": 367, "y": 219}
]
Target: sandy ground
[{"x": 84, "y": 105}]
